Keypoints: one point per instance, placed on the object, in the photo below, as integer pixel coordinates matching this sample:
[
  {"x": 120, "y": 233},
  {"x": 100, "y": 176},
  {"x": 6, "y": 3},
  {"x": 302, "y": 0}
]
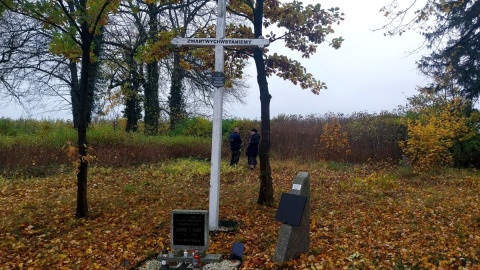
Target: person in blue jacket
[
  {"x": 252, "y": 148},
  {"x": 235, "y": 146}
]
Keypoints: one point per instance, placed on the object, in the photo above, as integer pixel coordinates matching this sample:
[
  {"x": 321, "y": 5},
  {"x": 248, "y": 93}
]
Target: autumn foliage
[
  {"x": 365, "y": 216},
  {"x": 362, "y": 217},
  {"x": 433, "y": 134},
  {"x": 334, "y": 142}
]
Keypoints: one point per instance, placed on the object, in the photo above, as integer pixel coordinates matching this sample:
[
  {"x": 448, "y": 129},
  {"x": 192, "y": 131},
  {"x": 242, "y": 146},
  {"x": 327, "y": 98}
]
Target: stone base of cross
[{"x": 220, "y": 42}]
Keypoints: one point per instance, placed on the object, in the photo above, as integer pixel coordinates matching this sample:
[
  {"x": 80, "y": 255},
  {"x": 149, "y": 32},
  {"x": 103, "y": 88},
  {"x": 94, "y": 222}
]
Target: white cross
[{"x": 220, "y": 42}]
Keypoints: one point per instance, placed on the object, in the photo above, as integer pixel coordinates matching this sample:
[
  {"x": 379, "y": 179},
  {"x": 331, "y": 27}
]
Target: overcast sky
[{"x": 369, "y": 73}]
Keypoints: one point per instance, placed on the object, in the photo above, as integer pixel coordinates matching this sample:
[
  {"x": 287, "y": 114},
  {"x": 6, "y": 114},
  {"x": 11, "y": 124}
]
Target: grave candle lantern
[{"x": 165, "y": 259}]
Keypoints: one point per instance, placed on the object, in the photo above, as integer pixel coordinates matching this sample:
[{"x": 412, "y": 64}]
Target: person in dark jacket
[
  {"x": 252, "y": 148},
  {"x": 235, "y": 146}
]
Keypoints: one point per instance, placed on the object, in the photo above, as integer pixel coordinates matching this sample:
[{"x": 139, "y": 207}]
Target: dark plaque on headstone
[
  {"x": 218, "y": 79},
  {"x": 290, "y": 209},
  {"x": 189, "y": 229}
]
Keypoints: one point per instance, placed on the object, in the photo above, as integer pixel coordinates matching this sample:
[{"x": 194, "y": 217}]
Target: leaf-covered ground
[{"x": 362, "y": 217}]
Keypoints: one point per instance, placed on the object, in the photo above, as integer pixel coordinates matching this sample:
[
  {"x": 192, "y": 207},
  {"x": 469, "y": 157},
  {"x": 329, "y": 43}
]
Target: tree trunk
[
  {"x": 132, "y": 110},
  {"x": 265, "y": 195},
  {"x": 94, "y": 70},
  {"x": 175, "y": 100},
  {"x": 152, "y": 107},
  {"x": 82, "y": 173},
  {"x": 74, "y": 92},
  {"x": 132, "y": 102}
]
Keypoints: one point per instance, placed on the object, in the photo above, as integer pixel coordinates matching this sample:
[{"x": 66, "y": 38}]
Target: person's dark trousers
[{"x": 235, "y": 157}]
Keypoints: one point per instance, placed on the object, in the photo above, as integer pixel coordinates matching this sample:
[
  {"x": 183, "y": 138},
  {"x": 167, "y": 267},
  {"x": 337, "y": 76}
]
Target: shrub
[
  {"x": 196, "y": 126},
  {"x": 433, "y": 135},
  {"x": 245, "y": 126},
  {"x": 375, "y": 137},
  {"x": 467, "y": 153},
  {"x": 228, "y": 125},
  {"x": 371, "y": 137},
  {"x": 334, "y": 142},
  {"x": 7, "y": 128}
]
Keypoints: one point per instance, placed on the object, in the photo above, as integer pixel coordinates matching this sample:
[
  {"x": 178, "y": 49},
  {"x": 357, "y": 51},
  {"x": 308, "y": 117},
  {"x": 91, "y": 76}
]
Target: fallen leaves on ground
[{"x": 361, "y": 217}]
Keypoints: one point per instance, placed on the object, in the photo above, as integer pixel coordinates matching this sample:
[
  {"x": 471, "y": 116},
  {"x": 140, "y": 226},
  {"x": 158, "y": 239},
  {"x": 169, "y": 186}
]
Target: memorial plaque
[
  {"x": 290, "y": 209},
  {"x": 218, "y": 79},
  {"x": 189, "y": 229}
]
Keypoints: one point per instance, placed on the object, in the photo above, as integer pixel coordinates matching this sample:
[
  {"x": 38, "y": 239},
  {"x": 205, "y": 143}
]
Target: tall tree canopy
[
  {"x": 457, "y": 59},
  {"x": 443, "y": 124},
  {"x": 301, "y": 28},
  {"x": 180, "y": 75},
  {"x": 77, "y": 31},
  {"x": 452, "y": 31},
  {"x": 28, "y": 71},
  {"x": 77, "y": 26}
]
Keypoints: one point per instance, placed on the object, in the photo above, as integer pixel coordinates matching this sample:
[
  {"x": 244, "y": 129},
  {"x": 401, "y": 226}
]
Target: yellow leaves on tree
[
  {"x": 333, "y": 142},
  {"x": 432, "y": 136},
  {"x": 292, "y": 70},
  {"x": 242, "y": 7},
  {"x": 238, "y": 31},
  {"x": 114, "y": 98},
  {"x": 65, "y": 42},
  {"x": 74, "y": 157},
  {"x": 160, "y": 48},
  {"x": 97, "y": 13}
]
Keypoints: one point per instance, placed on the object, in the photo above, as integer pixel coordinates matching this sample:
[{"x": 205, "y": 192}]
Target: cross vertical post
[
  {"x": 214, "y": 199},
  {"x": 219, "y": 43}
]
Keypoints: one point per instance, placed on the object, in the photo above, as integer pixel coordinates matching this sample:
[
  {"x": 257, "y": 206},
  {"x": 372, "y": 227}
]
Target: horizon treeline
[{"x": 31, "y": 146}]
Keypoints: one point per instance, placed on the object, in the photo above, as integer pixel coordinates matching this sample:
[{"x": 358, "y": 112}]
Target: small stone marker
[
  {"x": 293, "y": 237},
  {"x": 189, "y": 230}
]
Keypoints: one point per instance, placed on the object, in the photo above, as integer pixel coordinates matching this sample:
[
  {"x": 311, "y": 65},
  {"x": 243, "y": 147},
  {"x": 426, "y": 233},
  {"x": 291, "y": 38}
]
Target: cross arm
[{"x": 226, "y": 42}]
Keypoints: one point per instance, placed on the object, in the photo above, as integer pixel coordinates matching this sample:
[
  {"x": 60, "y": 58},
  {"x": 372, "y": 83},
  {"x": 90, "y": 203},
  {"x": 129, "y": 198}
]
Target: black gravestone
[
  {"x": 189, "y": 229},
  {"x": 290, "y": 209},
  {"x": 294, "y": 240}
]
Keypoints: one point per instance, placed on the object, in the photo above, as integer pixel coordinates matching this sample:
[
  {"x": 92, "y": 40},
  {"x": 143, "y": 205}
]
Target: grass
[{"x": 362, "y": 217}]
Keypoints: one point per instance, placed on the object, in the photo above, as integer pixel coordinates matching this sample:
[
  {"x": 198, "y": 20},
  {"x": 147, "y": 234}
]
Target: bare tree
[{"x": 29, "y": 73}]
